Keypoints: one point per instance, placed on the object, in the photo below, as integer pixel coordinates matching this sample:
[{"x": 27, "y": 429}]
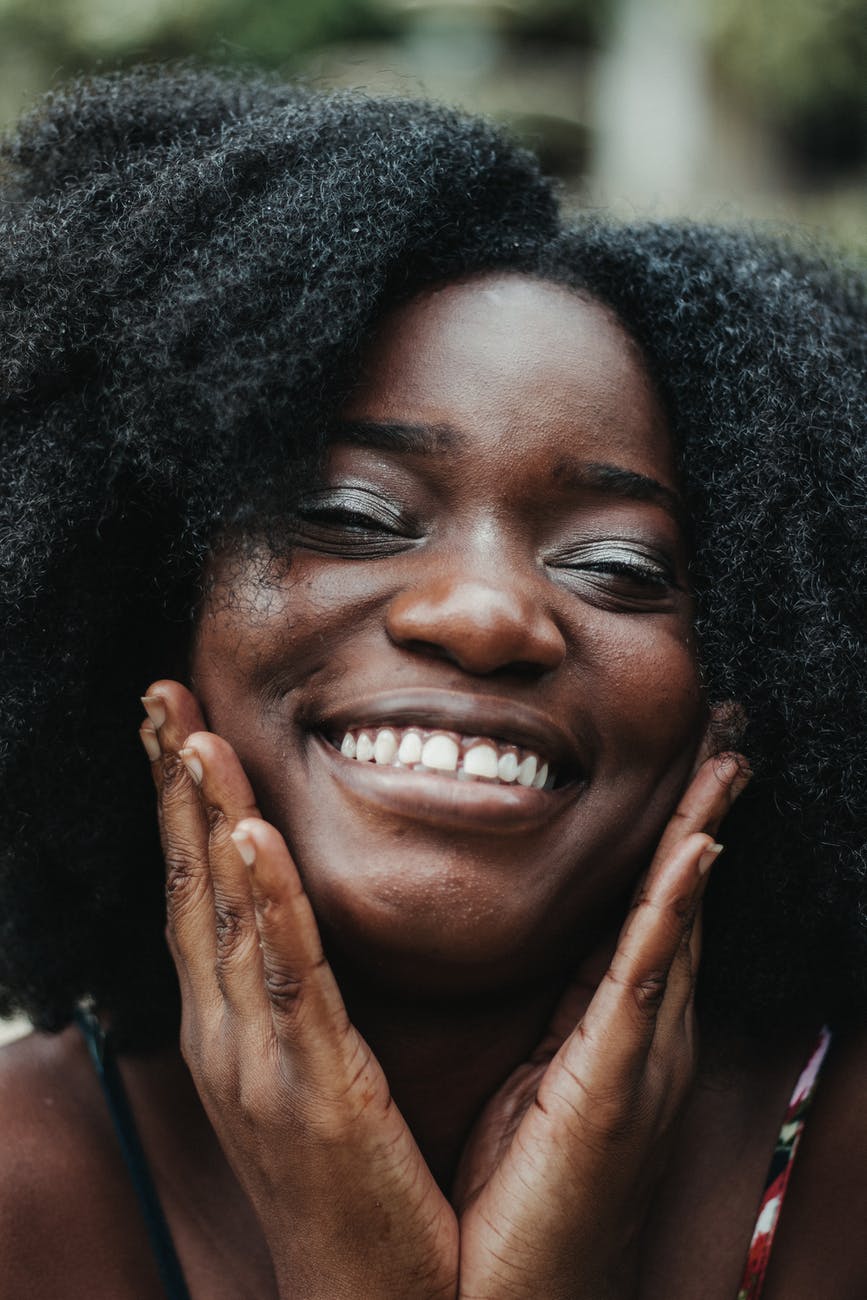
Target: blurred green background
[{"x": 714, "y": 108}]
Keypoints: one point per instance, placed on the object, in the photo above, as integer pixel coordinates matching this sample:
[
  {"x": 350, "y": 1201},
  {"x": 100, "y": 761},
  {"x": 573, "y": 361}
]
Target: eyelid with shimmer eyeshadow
[
  {"x": 617, "y": 556},
  {"x": 359, "y": 504}
]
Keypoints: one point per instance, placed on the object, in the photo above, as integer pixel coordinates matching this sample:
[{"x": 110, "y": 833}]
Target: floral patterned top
[{"x": 780, "y": 1171}]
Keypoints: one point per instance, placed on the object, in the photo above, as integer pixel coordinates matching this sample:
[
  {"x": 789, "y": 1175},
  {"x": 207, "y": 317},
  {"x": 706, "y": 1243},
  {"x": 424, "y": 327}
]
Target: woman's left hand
[
  {"x": 297, "y": 1100},
  {"x": 556, "y": 1179}
]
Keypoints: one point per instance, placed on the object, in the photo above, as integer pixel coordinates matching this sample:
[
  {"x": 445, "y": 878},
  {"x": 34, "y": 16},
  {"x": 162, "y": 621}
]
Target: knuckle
[
  {"x": 284, "y": 989},
  {"x": 682, "y": 907},
  {"x": 234, "y": 943},
  {"x": 175, "y": 776},
  {"x": 184, "y": 876},
  {"x": 217, "y": 820},
  {"x": 649, "y": 991},
  {"x": 230, "y": 928}
]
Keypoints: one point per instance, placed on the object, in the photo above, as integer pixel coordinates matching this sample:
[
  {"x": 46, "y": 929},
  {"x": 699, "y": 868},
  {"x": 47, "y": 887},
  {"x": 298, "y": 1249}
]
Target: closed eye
[
  {"x": 620, "y": 568},
  {"x": 351, "y": 521}
]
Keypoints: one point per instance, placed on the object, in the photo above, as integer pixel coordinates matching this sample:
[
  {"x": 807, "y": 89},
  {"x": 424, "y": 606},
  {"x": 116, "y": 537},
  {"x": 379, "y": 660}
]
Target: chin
[{"x": 453, "y": 927}]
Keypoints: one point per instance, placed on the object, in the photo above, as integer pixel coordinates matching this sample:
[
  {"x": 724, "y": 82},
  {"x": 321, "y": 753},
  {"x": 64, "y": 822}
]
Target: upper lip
[{"x": 471, "y": 715}]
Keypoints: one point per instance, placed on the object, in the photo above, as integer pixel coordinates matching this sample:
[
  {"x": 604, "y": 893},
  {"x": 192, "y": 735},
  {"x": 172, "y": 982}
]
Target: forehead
[{"x": 516, "y": 368}]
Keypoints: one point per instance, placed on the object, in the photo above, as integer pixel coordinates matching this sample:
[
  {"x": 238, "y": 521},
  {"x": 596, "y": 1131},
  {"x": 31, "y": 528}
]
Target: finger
[
  {"x": 173, "y": 713},
  {"x": 675, "y": 1012},
  {"x": 306, "y": 1007},
  {"x": 672, "y": 1056},
  {"x": 719, "y": 781},
  {"x": 689, "y": 1017},
  {"x": 228, "y": 798},
  {"x": 609, "y": 1049},
  {"x": 184, "y": 836}
]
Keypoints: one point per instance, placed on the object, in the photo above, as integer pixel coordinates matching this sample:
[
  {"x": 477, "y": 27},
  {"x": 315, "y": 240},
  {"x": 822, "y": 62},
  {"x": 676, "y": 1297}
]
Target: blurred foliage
[
  {"x": 801, "y": 63},
  {"x": 802, "y": 66},
  {"x": 78, "y": 34},
  {"x": 81, "y": 33}
]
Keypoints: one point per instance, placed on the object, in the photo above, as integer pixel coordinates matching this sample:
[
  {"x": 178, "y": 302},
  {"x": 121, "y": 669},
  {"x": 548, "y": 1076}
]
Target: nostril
[
  {"x": 427, "y": 648},
  {"x": 514, "y": 669},
  {"x": 525, "y": 669}
]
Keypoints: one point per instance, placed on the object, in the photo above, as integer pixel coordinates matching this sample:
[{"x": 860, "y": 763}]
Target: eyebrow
[
  {"x": 620, "y": 482},
  {"x": 412, "y": 439},
  {"x": 569, "y": 473}
]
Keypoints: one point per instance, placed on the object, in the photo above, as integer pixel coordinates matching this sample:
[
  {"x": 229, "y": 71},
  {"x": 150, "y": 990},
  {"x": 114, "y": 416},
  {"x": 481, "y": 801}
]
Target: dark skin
[{"x": 482, "y": 937}]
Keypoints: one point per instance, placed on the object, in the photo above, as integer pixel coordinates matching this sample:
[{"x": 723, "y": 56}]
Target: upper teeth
[{"x": 467, "y": 757}]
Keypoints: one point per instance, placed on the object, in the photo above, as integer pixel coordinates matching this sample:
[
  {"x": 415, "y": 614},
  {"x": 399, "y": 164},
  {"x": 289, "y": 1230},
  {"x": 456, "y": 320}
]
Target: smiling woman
[
  {"x": 478, "y": 564},
  {"x": 517, "y": 606}
]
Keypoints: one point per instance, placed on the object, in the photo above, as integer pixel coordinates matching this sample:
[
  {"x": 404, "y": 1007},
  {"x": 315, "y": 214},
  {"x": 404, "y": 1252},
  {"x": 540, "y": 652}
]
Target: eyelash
[
  {"x": 342, "y": 517},
  {"x": 619, "y": 561}
]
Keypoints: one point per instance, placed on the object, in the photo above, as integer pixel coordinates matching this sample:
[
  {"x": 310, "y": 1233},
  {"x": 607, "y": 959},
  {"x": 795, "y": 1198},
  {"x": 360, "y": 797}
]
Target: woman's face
[{"x": 493, "y": 574}]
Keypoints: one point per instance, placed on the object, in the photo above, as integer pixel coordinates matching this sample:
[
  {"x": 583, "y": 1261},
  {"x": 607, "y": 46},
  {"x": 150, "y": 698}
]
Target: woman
[{"x": 471, "y": 556}]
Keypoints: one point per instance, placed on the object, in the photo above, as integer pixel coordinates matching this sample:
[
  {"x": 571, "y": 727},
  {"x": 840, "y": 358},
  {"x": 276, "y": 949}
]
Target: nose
[{"x": 483, "y": 626}]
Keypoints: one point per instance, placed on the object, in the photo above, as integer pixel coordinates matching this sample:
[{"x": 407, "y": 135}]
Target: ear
[{"x": 726, "y": 724}]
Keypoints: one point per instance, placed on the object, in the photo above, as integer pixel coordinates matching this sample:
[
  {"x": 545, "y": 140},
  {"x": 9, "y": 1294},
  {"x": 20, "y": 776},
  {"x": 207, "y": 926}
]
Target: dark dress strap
[{"x": 99, "y": 1046}]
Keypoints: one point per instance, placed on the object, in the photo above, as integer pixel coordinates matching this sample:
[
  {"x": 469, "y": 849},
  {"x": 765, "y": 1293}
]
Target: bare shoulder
[
  {"x": 63, "y": 1191},
  {"x": 820, "y": 1247},
  {"x": 46, "y": 1107}
]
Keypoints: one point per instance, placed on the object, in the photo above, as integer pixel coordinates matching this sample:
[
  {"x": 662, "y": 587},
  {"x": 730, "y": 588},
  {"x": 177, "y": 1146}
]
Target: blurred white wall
[{"x": 12, "y": 1029}]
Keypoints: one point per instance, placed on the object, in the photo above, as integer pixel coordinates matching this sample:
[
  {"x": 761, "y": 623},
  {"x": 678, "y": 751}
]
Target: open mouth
[{"x": 447, "y": 754}]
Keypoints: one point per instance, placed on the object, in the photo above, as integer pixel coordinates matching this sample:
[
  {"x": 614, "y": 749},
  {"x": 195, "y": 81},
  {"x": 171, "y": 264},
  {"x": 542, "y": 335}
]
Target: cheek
[
  {"x": 650, "y": 692},
  {"x": 653, "y": 717},
  {"x": 258, "y": 639},
  {"x": 272, "y": 634}
]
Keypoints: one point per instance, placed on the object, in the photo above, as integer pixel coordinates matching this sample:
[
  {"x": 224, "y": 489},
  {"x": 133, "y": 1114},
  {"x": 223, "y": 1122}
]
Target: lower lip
[{"x": 444, "y": 801}]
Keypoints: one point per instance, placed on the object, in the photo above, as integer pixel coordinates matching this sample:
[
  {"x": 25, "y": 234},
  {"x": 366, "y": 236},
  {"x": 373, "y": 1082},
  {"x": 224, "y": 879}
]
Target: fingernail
[
  {"x": 148, "y": 735},
  {"x": 192, "y": 763},
  {"x": 155, "y": 708},
  {"x": 708, "y": 858},
  {"x": 245, "y": 846}
]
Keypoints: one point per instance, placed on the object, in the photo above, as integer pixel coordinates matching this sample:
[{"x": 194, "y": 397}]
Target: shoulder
[
  {"x": 819, "y": 1248},
  {"x": 46, "y": 1107},
  {"x": 63, "y": 1193}
]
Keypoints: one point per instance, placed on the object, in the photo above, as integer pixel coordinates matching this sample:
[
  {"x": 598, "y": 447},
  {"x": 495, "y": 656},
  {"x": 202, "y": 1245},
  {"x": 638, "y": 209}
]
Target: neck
[{"x": 444, "y": 1062}]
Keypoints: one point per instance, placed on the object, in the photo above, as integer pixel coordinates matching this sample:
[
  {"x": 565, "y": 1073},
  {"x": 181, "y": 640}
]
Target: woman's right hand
[{"x": 300, "y": 1105}]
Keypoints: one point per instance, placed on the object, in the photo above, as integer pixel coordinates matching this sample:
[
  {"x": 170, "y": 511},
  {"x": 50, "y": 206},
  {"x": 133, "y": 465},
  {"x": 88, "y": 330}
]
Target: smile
[
  {"x": 448, "y": 754},
  {"x": 452, "y": 759}
]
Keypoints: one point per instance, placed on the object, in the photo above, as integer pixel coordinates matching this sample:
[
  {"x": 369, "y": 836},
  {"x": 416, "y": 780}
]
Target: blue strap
[{"x": 99, "y": 1046}]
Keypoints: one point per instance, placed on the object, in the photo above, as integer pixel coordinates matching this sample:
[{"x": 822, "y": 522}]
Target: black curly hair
[{"x": 190, "y": 264}]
